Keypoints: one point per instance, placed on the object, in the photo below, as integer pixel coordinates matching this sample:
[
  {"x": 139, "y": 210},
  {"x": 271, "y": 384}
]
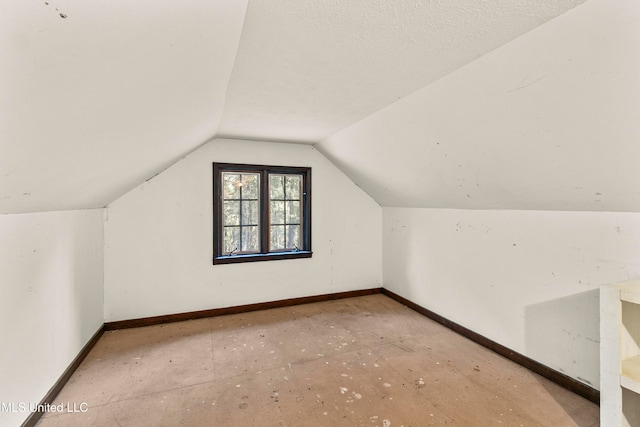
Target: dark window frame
[{"x": 264, "y": 254}]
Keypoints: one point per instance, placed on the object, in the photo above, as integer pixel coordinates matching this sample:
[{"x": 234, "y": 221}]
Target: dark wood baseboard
[
  {"x": 179, "y": 317},
  {"x": 557, "y": 377},
  {"x": 34, "y": 417},
  {"x": 551, "y": 374}
]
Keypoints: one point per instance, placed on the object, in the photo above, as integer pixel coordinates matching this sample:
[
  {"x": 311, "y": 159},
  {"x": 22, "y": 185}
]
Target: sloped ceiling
[
  {"x": 99, "y": 96},
  {"x": 308, "y": 68},
  {"x": 550, "y": 121}
]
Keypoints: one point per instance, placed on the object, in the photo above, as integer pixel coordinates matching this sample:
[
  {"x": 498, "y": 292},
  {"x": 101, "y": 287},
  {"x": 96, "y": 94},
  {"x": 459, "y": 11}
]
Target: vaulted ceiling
[{"x": 99, "y": 96}]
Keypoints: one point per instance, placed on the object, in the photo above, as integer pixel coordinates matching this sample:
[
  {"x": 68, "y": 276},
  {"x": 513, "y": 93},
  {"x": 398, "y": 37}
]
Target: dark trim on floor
[
  {"x": 557, "y": 377},
  {"x": 34, "y": 417},
  {"x": 179, "y": 317},
  {"x": 551, "y": 374}
]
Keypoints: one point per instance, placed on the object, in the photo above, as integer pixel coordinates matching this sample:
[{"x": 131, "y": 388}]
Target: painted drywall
[
  {"x": 110, "y": 91},
  {"x": 306, "y": 69},
  {"x": 51, "y": 298},
  {"x": 548, "y": 121},
  {"x": 526, "y": 279},
  {"x": 159, "y": 237}
]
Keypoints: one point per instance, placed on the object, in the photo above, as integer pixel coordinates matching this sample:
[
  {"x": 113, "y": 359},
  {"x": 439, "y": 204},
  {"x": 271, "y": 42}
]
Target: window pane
[
  {"x": 250, "y": 213},
  {"x": 231, "y": 185},
  {"x": 231, "y": 240},
  {"x": 293, "y": 187},
  {"x": 250, "y": 239},
  {"x": 276, "y": 187},
  {"x": 293, "y": 212},
  {"x": 250, "y": 185},
  {"x": 231, "y": 213},
  {"x": 277, "y": 237},
  {"x": 250, "y": 198},
  {"x": 293, "y": 236},
  {"x": 277, "y": 213}
]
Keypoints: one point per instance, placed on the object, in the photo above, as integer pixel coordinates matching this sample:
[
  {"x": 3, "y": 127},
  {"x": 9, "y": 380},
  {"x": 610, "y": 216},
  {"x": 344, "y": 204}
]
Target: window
[{"x": 260, "y": 213}]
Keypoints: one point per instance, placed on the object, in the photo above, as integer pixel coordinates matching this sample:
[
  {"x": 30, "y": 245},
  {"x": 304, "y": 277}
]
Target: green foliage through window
[{"x": 264, "y": 211}]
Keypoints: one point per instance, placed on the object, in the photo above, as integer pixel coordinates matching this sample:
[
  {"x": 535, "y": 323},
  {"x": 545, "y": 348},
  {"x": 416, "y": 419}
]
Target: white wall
[
  {"x": 159, "y": 237},
  {"x": 96, "y": 103},
  {"x": 51, "y": 297},
  {"x": 525, "y": 279},
  {"x": 549, "y": 121}
]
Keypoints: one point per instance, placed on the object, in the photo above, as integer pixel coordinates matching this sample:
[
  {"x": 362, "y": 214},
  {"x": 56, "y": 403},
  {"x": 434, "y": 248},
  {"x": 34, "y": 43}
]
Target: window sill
[{"x": 273, "y": 256}]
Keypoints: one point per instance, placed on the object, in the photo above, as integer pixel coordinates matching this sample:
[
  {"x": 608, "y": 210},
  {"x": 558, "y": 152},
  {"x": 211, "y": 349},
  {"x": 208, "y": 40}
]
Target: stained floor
[{"x": 366, "y": 361}]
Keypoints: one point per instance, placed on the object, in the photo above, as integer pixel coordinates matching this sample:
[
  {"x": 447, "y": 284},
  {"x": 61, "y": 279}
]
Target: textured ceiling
[
  {"x": 99, "y": 96},
  {"x": 550, "y": 121},
  {"x": 306, "y": 69}
]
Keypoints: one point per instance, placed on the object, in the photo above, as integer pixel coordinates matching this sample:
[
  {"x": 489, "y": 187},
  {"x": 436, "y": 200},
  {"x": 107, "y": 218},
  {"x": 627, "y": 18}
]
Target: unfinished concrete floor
[{"x": 366, "y": 361}]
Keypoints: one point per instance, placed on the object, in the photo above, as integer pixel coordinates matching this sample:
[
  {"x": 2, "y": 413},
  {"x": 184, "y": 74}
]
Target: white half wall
[
  {"x": 51, "y": 287},
  {"x": 528, "y": 280},
  {"x": 159, "y": 238}
]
